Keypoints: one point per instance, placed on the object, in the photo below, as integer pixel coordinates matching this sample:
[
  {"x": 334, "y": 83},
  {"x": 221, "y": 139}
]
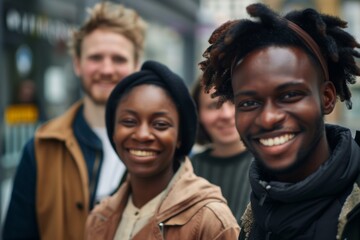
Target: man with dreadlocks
[{"x": 284, "y": 74}]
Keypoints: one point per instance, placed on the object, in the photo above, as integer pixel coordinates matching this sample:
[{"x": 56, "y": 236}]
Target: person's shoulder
[
  {"x": 204, "y": 154},
  {"x": 222, "y": 211},
  {"x": 60, "y": 124},
  {"x": 99, "y": 218},
  {"x": 109, "y": 205},
  {"x": 101, "y": 213},
  {"x": 220, "y": 221}
]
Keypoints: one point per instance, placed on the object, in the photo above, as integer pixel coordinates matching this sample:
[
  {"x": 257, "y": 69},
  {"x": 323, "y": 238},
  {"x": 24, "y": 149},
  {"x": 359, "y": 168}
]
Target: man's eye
[
  {"x": 95, "y": 57},
  {"x": 291, "y": 96},
  {"x": 247, "y": 105},
  {"x": 119, "y": 59}
]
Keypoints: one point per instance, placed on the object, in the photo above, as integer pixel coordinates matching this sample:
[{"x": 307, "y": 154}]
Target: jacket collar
[
  {"x": 178, "y": 206},
  {"x": 351, "y": 202},
  {"x": 72, "y": 122},
  {"x": 84, "y": 133},
  {"x": 60, "y": 127}
]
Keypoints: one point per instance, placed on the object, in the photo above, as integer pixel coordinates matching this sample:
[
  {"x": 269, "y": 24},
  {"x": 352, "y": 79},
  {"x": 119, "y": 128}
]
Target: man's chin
[
  {"x": 280, "y": 170},
  {"x": 98, "y": 101}
]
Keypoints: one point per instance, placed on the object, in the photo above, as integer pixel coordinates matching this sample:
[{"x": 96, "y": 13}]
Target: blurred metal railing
[{"x": 14, "y": 138}]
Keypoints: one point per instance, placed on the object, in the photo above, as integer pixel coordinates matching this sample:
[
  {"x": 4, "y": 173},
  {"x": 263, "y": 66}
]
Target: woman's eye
[
  {"x": 161, "y": 125},
  {"x": 128, "y": 122}
]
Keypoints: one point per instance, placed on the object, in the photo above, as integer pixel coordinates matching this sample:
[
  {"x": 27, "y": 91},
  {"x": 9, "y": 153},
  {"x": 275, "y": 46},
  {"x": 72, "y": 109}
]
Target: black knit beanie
[{"x": 158, "y": 74}]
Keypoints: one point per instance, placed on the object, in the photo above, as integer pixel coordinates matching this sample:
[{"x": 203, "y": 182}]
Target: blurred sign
[
  {"x": 36, "y": 25},
  {"x": 21, "y": 113}
]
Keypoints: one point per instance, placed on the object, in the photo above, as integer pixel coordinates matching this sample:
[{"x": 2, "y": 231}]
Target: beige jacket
[{"x": 192, "y": 209}]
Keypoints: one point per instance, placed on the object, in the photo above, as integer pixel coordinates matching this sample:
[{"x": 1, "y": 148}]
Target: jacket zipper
[
  {"x": 266, "y": 187},
  {"x": 94, "y": 175},
  {"x": 161, "y": 227}
]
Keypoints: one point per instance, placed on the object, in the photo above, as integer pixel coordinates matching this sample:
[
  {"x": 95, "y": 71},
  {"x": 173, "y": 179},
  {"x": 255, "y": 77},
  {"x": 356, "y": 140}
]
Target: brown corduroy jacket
[{"x": 192, "y": 209}]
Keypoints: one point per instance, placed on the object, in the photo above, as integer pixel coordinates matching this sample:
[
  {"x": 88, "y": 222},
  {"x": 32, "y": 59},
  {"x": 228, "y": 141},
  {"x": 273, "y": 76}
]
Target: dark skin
[
  {"x": 146, "y": 137},
  {"x": 281, "y": 99},
  {"x": 143, "y": 190}
]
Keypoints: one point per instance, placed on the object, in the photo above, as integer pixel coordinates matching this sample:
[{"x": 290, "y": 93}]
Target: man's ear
[
  {"x": 76, "y": 66},
  {"x": 329, "y": 97},
  {"x": 137, "y": 65}
]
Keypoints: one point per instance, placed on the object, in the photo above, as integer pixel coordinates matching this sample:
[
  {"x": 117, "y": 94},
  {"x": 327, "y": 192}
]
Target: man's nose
[
  {"x": 107, "y": 66},
  {"x": 270, "y": 116}
]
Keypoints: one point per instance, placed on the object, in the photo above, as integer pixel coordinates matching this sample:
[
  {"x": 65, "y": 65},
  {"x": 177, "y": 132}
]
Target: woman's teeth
[{"x": 142, "y": 153}]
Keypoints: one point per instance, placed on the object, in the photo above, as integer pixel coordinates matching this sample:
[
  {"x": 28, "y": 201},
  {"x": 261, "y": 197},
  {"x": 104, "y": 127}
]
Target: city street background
[{"x": 37, "y": 81}]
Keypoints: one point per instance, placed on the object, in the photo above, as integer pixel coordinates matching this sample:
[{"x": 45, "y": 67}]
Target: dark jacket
[
  {"x": 349, "y": 228},
  {"x": 55, "y": 182},
  {"x": 192, "y": 209},
  {"x": 325, "y": 205}
]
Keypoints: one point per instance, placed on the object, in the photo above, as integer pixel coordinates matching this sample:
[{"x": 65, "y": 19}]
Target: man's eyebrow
[
  {"x": 245, "y": 93},
  {"x": 289, "y": 84},
  {"x": 278, "y": 88}
]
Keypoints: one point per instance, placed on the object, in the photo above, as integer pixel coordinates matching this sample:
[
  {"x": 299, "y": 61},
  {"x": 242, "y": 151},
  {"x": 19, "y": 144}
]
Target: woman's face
[
  {"x": 146, "y": 132},
  {"x": 219, "y": 122}
]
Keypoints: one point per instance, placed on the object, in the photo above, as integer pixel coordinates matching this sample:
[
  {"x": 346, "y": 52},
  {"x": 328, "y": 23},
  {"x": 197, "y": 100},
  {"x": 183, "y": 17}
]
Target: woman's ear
[
  {"x": 178, "y": 144},
  {"x": 329, "y": 97}
]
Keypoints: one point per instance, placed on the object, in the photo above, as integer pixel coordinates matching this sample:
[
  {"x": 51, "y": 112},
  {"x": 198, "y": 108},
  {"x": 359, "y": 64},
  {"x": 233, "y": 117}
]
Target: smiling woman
[{"x": 151, "y": 122}]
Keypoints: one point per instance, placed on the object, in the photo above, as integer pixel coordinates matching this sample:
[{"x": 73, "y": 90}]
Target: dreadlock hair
[{"x": 233, "y": 40}]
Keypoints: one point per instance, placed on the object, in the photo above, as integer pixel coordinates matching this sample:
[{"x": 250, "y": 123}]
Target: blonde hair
[{"x": 114, "y": 17}]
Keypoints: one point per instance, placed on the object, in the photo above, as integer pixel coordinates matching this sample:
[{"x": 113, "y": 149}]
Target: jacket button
[{"x": 79, "y": 205}]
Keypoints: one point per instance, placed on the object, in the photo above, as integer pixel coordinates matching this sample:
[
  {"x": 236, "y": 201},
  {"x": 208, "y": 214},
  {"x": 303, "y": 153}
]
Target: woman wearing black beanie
[{"x": 151, "y": 122}]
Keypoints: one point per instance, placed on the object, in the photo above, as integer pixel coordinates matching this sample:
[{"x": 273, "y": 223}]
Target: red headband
[{"x": 310, "y": 43}]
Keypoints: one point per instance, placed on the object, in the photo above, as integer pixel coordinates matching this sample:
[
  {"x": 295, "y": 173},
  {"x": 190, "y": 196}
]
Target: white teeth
[
  {"x": 277, "y": 140},
  {"x": 142, "y": 153}
]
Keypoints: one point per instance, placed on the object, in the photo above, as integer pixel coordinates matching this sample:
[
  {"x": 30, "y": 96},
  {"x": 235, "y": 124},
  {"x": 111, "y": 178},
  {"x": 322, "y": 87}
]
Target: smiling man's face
[
  {"x": 280, "y": 101},
  {"x": 106, "y": 58}
]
